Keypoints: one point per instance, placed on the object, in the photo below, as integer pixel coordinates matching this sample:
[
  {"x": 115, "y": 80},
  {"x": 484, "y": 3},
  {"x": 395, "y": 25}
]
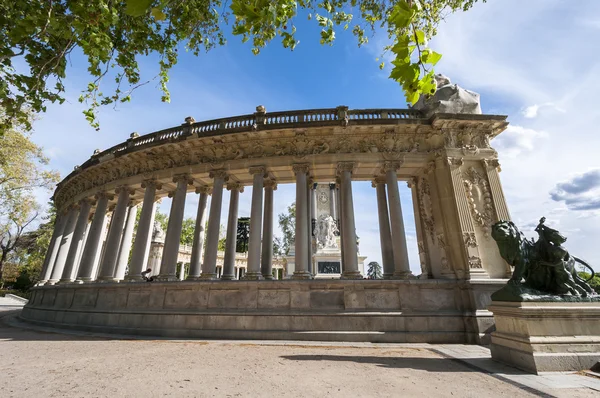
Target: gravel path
[{"x": 39, "y": 364}]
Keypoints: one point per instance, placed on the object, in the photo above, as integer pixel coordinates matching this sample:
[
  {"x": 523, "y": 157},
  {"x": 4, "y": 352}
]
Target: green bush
[
  {"x": 594, "y": 283},
  {"x": 20, "y": 293}
]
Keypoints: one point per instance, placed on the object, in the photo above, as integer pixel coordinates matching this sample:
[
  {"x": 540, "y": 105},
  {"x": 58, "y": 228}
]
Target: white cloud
[
  {"x": 516, "y": 140},
  {"x": 532, "y": 111}
]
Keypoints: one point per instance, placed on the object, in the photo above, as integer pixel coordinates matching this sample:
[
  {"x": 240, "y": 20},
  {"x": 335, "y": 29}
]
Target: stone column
[
  {"x": 115, "y": 233},
  {"x": 311, "y": 222},
  {"x": 332, "y": 202},
  {"x": 254, "y": 240},
  {"x": 59, "y": 226},
  {"x": 83, "y": 241},
  {"x": 401, "y": 265},
  {"x": 199, "y": 230},
  {"x": 350, "y": 248},
  {"x": 93, "y": 241},
  {"x": 126, "y": 240},
  {"x": 340, "y": 222},
  {"x": 70, "y": 270},
  {"x": 65, "y": 245},
  {"x": 266, "y": 264},
  {"x": 385, "y": 235},
  {"x": 168, "y": 263},
  {"x": 143, "y": 236},
  {"x": 301, "y": 236},
  {"x": 232, "y": 225},
  {"x": 209, "y": 265}
]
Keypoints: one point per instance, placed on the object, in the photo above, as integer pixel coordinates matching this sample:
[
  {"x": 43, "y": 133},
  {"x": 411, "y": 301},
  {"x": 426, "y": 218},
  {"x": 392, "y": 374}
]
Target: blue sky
[{"x": 535, "y": 61}]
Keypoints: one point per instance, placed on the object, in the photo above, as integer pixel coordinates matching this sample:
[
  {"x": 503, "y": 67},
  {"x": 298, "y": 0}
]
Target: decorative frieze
[{"x": 480, "y": 199}]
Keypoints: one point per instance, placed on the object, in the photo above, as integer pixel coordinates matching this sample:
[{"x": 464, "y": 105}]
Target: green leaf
[
  {"x": 434, "y": 57},
  {"x": 420, "y": 36},
  {"x": 158, "y": 14},
  {"x": 137, "y": 8}
]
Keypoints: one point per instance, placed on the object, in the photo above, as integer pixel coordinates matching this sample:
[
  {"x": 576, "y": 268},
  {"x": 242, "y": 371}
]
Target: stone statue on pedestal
[
  {"x": 325, "y": 232},
  {"x": 449, "y": 98},
  {"x": 543, "y": 269}
]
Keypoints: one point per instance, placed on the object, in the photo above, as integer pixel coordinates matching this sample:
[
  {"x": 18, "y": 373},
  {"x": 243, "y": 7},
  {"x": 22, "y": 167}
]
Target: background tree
[
  {"x": 287, "y": 223},
  {"x": 37, "y": 37},
  {"x": 243, "y": 234},
  {"x": 374, "y": 271},
  {"x": 594, "y": 282},
  {"x": 21, "y": 172}
]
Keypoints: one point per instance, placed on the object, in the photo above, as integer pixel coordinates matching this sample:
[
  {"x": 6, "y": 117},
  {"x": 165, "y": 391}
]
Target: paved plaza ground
[{"x": 40, "y": 363}]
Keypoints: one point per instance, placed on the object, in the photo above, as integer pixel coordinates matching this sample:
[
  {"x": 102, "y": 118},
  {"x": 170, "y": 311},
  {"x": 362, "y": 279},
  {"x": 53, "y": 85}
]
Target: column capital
[
  {"x": 183, "y": 177},
  {"x": 205, "y": 189},
  {"x": 345, "y": 166},
  {"x": 377, "y": 180},
  {"x": 491, "y": 164},
  {"x": 395, "y": 165},
  {"x": 103, "y": 194},
  {"x": 301, "y": 168},
  {"x": 121, "y": 188},
  {"x": 151, "y": 182},
  {"x": 258, "y": 170},
  {"x": 457, "y": 162},
  {"x": 311, "y": 181},
  {"x": 90, "y": 201},
  {"x": 112, "y": 207},
  {"x": 412, "y": 182},
  {"x": 218, "y": 174},
  {"x": 271, "y": 184},
  {"x": 235, "y": 186}
]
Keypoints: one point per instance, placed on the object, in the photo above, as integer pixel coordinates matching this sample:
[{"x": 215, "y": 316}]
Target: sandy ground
[{"x": 39, "y": 364}]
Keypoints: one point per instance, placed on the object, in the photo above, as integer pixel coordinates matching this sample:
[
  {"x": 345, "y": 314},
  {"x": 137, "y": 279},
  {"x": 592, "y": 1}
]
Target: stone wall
[{"x": 423, "y": 311}]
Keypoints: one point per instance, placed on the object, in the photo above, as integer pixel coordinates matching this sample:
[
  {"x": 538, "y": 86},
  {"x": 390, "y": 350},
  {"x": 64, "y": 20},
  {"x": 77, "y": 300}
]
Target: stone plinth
[
  {"x": 546, "y": 337},
  {"x": 407, "y": 311}
]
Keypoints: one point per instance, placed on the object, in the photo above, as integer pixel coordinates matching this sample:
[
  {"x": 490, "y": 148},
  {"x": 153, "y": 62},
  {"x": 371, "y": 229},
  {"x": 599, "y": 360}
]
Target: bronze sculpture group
[{"x": 543, "y": 269}]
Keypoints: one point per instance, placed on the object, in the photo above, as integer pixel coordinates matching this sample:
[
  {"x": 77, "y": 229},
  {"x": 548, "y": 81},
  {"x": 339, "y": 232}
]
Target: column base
[
  {"x": 252, "y": 276},
  {"x": 226, "y": 277},
  {"x": 192, "y": 278},
  {"x": 51, "y": 282},
  {"x": 41, "y": 283},
  {"x": 133, "y": 278},
  {"x": 208, "y": 277},
  {"x": 388, "y": 276},
  {"x": 403, "y": 275},
  {"x": 302, "y": 275},
  {"x": 81, "y": 281},
  {"x": 65, "y": 281},
  {"x": 166, "y": 278},
  {"x": 107, "y": 279},
  {"x": 351, "y": 275},
  {"x": 268, "y": 277}
]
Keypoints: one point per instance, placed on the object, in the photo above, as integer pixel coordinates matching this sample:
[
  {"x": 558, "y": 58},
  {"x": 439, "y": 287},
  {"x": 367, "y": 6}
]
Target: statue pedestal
[{"x": 546, "y": 336}]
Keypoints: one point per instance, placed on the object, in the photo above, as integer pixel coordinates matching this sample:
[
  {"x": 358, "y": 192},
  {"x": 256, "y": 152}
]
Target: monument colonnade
[{"x": 74, "y": 254}]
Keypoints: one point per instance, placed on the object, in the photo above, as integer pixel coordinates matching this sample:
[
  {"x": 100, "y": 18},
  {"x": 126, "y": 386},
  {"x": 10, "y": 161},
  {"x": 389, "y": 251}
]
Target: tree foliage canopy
[
  {"x": 374, "y": 271},
  {"x": 287, "y": 223},
  {"x": 37, "y": 37}
]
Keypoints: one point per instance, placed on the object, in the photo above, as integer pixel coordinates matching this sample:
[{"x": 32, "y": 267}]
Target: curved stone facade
[{"x": 446, "y": 159}]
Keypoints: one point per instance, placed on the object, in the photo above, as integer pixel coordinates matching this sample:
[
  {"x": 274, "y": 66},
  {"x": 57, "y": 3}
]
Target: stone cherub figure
[{"x": 542, "y": 268}]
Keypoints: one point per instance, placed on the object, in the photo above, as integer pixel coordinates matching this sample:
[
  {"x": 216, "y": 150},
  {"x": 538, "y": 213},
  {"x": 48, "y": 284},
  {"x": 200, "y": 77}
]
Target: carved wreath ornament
[{"x": 480, "y": 199}]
